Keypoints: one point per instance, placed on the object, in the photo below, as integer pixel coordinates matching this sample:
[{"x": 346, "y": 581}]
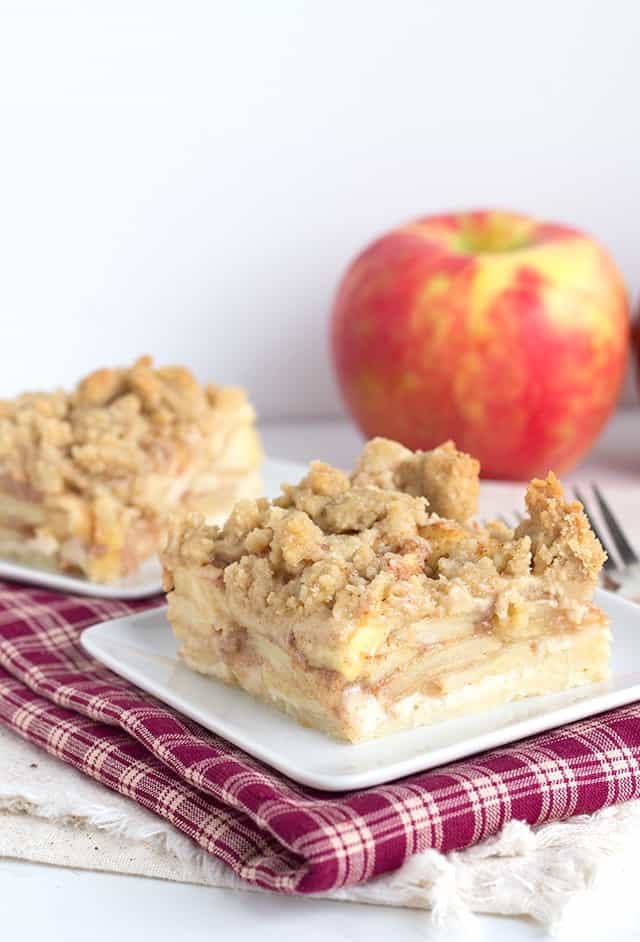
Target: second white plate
[
  {"x": 143, "y": 649},
  {"x": 147, "y": 581}
]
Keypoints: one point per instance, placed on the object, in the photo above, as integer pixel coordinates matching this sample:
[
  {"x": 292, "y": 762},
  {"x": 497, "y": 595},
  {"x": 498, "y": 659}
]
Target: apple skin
[
  {"x": 636, "y": 349},
  {"x": 506, "y": 334}
]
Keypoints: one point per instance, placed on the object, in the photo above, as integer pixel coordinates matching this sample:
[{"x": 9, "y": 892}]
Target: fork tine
[
  {"x": 610, "y": 563},
  {"x": 626, "y": 551},
  {"x": 511, "y": 520}
]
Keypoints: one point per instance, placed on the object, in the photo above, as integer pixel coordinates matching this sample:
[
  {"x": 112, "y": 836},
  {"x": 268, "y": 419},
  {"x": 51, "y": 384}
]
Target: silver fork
[{"x": 621, "y": 571}]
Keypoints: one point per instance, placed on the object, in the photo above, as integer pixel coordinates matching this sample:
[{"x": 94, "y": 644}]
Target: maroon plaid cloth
[{"x": 269, "y": 830}]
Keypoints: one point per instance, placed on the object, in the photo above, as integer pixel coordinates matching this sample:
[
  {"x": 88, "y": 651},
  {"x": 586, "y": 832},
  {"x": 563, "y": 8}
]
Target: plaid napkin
[{"x": 270, "y": 831}]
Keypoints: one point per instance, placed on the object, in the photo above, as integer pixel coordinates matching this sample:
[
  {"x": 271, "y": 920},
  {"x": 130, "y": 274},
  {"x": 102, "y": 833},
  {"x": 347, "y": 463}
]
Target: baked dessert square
[
  {"x": 89, "y": 477},
  {"x": 372, "y": 603}
]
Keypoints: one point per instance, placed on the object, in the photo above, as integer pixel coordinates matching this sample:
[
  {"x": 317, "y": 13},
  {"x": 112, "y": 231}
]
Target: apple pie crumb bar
[
  {"x": 87, "y": 478},
  {"x": 372, "y": 603}
]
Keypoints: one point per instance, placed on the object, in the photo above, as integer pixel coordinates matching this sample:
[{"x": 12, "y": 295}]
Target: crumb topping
[
  {"x": 112, "y": 435},
  {"x": 392, "y": 538},
  {"x": 562, "y": 541},
  {"x": 448, "y": 478}
]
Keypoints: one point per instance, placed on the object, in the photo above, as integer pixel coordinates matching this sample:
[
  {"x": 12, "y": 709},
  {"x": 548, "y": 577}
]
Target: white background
[{"x": 190, "y": 179}]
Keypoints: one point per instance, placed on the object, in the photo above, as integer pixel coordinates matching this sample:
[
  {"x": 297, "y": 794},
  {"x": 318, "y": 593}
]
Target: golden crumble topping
[
  {"x": 112, "y": 434},
  {"x": 391, "y": 539},
  {"x": 561, "y": 538},
  {"x": 448, "y": 478}
]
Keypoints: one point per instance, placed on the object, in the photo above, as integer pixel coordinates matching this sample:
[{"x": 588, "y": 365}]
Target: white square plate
[
  {"x": 142, "y": 649},
  {"x": 147, "y": 580}
]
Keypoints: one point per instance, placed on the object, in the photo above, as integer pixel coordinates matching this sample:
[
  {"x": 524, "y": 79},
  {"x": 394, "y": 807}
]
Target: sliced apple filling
[{"x": 353, "y": 605}]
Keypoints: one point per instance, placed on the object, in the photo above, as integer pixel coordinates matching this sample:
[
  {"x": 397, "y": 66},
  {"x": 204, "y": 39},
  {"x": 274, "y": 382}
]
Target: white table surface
[{"x": 66, "y": 905}]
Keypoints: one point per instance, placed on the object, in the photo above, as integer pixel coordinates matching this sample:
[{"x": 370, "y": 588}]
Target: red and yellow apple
[{"x": 506, "y": 334}]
